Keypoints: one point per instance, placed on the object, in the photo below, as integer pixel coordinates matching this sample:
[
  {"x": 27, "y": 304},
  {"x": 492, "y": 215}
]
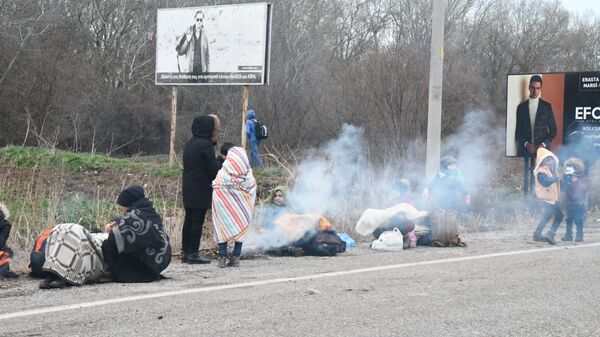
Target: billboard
[
  {"x": 572, "y": 99},
  {"x": 213, "y": 45}
]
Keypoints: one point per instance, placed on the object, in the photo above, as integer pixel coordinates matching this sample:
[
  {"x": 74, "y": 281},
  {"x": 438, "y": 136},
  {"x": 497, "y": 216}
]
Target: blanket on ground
[{"x": 371, "y": 219}]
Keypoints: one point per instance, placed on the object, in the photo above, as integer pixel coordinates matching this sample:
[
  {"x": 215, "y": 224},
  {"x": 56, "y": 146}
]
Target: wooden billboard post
[
  {"x": 244, "y": 112},
  {"x": 173, "y": 126}
]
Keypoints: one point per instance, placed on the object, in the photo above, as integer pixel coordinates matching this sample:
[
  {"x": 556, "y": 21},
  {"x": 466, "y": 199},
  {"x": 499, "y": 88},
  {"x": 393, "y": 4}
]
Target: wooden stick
[{"x": 173, "y": 126}]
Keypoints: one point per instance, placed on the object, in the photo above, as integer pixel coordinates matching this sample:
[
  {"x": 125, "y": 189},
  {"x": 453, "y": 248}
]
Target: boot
[
  {"x": 550, "y": 238},
  {"x": 567, "y": 237},
  {"x": 222, "y": 262},
  {"x": 194, "y": 258},
  {"x": 234, "y": 261},
  {"x": 579, "y": 237},
  {"x": 537, "y": 236}
]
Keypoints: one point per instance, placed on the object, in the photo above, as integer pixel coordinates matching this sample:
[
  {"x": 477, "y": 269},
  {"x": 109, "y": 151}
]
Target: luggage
[
  {"x": 38, "y": 254},
  {"x": 444, "y": 229},
  {"x": 325, "y": 243}
]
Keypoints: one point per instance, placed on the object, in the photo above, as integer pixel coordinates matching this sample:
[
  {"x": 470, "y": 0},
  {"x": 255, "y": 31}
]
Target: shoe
[
  {"x": 550, "y": 239},
  {"x": 567, "y": 237},
  {"x": 234, "y": 261},
  {"x": 538, "y": 237},
  {"x": 45, "y": 284},
  {"x": 58, "y": 283},
  {"x": 194, "y": 258},
  {"x": 296, "y": 251},
  {"x": 10, "y": 274},
  {"x": 579, "y": 238},
  {"x": 222, "y": 262}
]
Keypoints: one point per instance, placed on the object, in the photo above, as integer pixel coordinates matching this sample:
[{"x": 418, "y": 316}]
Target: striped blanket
[
  {"x": 74, "y": 254},
  {"x": 234, "y": 193}
]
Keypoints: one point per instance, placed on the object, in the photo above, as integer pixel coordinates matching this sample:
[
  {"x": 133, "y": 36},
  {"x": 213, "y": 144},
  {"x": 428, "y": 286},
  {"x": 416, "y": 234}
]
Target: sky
[{"x": 580, "y": 6}]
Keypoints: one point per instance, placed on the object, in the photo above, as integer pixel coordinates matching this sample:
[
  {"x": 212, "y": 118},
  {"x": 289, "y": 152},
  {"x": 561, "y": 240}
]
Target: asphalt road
[{"x": 502, "y": 284}]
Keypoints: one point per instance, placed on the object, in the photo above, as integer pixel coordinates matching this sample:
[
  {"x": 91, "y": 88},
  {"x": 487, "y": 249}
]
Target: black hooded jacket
[
  {"x": 200, "y": 166},
  {"x": 138, "y": 250},
  {"x": 5, "y": 226}
]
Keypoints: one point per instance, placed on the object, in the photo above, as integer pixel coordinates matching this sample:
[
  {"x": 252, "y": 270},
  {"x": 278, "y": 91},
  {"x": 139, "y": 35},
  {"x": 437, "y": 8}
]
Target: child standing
[
  {"x": 547, "y": 190},
  {"x": 576, "y": 187}
]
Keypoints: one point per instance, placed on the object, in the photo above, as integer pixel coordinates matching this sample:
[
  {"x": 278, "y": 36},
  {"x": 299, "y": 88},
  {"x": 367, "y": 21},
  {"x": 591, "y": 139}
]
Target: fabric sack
[
  {"x": 325, "y": 243},
  {"x": 261, "y": 130},
  {"x": 444, "y": 229},
  {"x": 391, "y": 241}
]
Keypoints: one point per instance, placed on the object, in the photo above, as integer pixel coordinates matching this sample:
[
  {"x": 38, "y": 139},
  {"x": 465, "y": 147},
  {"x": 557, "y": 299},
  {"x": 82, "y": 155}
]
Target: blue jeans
[
  {"x": 254, "y": 157},
  {"x": 548, "y": 212},
  {"x": 575, "y": 213}
]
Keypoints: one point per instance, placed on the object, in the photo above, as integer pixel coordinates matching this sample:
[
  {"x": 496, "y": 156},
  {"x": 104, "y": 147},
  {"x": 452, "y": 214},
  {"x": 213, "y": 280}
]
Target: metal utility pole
[{"x": 436, "y": 73}]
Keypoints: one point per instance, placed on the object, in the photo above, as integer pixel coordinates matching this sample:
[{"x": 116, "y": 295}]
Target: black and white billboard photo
[{"x": 213, "y": 45}]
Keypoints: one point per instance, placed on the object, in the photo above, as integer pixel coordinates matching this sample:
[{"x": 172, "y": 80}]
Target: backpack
[
  {"x": 38, "y": 254},
  {"x": 325, "y": 243},
  {"x": 261, "y": 130},
  {"x": 444, "y": 229}
]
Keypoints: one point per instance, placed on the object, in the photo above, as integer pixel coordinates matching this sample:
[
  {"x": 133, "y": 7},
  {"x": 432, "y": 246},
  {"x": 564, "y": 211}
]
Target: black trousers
[
  {"x": 192, "y": 229},
  {"x": 126, "y": 268}
]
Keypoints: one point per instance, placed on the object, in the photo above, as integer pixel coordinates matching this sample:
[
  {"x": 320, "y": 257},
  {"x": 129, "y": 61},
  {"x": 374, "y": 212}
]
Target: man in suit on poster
[{"x": 536, "y": 127}]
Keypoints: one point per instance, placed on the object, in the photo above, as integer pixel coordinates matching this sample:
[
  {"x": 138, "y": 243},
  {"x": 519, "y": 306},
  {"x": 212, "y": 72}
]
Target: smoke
[
  {"x": 477, "y": 146},
  {"x": 339, "y": 181}
]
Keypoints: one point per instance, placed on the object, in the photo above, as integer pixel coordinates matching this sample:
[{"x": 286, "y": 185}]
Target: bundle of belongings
[
  {"x": 401, "y": 219},
  {"x": 302, "y": 234}
]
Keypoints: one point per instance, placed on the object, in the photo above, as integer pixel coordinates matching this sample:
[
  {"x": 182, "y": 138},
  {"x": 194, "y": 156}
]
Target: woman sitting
[{"x": 137, "y": 248}]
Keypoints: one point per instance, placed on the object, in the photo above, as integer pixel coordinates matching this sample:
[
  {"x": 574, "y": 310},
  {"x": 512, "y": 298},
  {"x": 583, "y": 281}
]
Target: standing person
[
  {"x": 255, "y": 159},
  {"x": 233, "y": 204},
  {"x": 5, "y": 251},
  {"x": 576, "y": 187},
  {"x": 193, "y": 48},
  {"x": 536, "y": 126},
  {"x": 200, "y": 168},
  {"x": 547, "y": 190},
  {"x": 137, "y": 248}
]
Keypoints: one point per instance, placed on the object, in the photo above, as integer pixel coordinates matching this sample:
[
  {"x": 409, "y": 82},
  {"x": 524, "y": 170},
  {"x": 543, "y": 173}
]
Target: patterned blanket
[
  {"x": 74, "y": 254},
  {"x": 234, "y": 193}
]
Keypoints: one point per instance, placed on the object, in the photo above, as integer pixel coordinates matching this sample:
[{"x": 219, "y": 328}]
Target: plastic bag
[
  {"x": 350, "y": 243},
  {"x": 389, "y": 241}
]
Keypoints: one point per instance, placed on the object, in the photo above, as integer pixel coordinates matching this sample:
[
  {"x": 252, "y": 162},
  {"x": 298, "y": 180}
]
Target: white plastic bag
[{"x": 391, "y": 241}]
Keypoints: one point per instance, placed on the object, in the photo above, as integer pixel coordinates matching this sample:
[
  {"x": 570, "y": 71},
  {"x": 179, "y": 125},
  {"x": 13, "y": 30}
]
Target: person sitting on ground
[
  {"x": 547, "y": 190},
  {"x": 400, "y": 193},
  {"x": 234, "y": 193},
  {"x": 72, "y": 256},
  {"x": 137, "y": 248},
  {"x": 5, "y": 252},
  {"x": 576, "y": 187},
  {"x": 447, "y": 190},
  {"x": 273, "y": 207}
]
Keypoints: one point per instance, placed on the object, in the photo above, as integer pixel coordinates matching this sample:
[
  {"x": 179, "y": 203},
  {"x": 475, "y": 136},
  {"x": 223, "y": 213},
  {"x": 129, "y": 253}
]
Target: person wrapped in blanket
[
  {"x": 69, "y": 255},
  {"x": 234, "y": 193},
  {"x": 137, "y": 248},
  {"x": 5, "y": 251}
]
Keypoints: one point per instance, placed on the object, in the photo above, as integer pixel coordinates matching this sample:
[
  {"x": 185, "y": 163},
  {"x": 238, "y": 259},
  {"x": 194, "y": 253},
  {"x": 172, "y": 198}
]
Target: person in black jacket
[
  {"x": 200, "y": 168},
  {"x": 536, "y": 127},
  {"x": 137, "y": 248},
  {"x": 5, "y": 251}
]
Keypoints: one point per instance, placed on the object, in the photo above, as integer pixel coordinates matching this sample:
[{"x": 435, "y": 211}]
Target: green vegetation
[{"x": 35, "y": 157}]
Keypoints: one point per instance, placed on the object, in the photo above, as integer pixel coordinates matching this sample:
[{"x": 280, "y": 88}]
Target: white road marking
[{"x": 59, "y": 308}]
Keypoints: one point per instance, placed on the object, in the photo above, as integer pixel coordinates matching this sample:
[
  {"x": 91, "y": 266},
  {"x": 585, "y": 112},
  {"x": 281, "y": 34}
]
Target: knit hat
[
  {"x": 447, "y": 161},
  {"x": 130, "y": 195}
]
